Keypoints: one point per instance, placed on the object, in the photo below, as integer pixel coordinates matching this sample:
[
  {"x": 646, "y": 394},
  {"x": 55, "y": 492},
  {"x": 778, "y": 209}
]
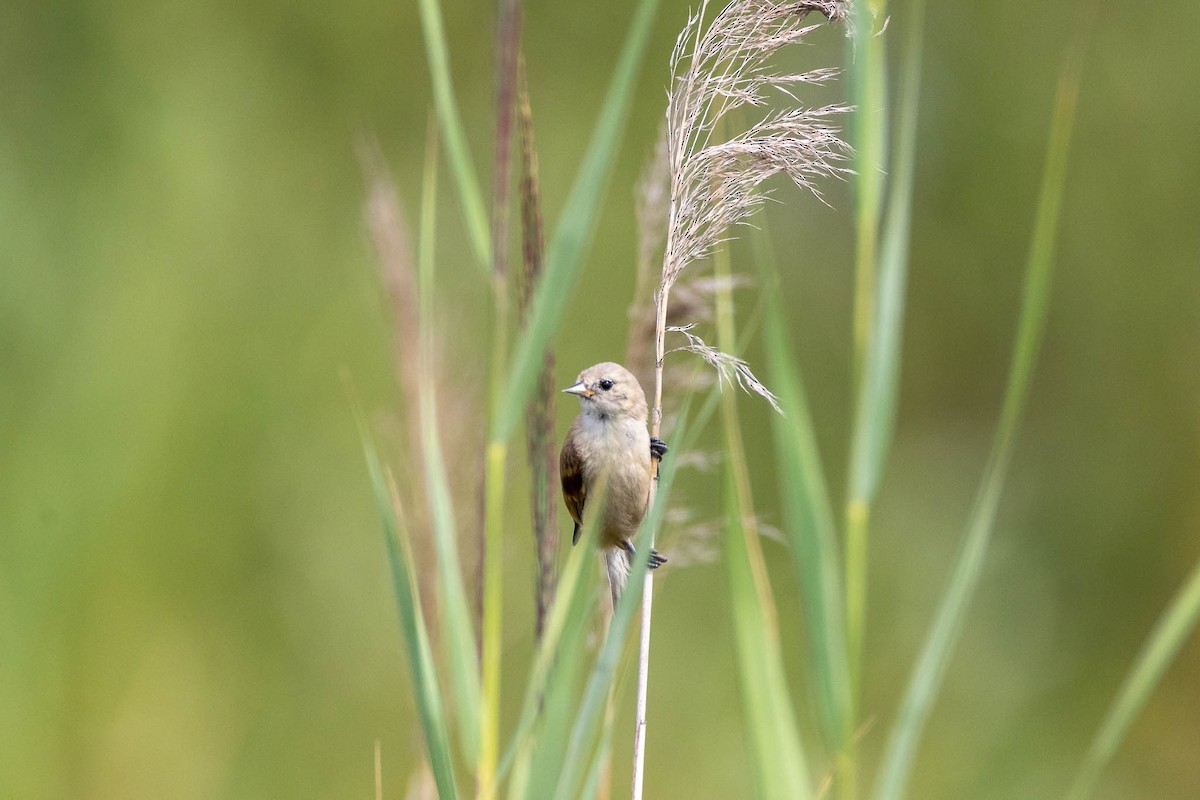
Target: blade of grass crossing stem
[
  {"x": 459, "y": 634},
  {"x": 569, "y": 612},
  {"x": 877, "y": 384},
  {"x": 584, "y": 730},
  {"x": 412, "y": 625},
  {"x": 551, "y": 694},
  {"x": 457, "y": 152},
  {"x": 575, "y": 226},
  {"x": 807, "y": 514},
  {"x": 1173, "y": 628},
  {"x": 561, "y": 698},
  {"x": 935, "y": 654},
  {"x": 781, "y": 770}
]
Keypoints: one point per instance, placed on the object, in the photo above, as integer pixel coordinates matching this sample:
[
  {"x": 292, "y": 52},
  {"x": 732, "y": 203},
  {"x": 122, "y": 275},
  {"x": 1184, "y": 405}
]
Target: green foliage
[{"x": 412, "y": 625}]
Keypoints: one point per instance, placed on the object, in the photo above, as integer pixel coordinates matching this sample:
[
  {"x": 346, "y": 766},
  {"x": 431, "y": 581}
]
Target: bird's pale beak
[{"x": 579, "y": 389}]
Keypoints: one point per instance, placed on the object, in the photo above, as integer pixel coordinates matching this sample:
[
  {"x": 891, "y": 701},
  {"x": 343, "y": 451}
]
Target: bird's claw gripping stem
[{"x": 657, "y": 559}]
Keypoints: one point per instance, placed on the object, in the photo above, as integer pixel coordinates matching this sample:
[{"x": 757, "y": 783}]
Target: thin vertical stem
[{"x": 639, "y": 730}]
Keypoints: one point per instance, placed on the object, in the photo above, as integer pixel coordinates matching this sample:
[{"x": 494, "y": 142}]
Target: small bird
[{"x": 609, "y": 441}]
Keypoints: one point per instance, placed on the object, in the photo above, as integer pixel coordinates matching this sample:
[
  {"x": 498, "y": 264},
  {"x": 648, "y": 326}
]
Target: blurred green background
[{"x": 193, "y": 597}]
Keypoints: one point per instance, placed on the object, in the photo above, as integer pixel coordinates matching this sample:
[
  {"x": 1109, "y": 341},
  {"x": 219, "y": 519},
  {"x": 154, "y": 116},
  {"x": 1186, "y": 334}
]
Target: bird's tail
[{"x": 617, "y": 561}]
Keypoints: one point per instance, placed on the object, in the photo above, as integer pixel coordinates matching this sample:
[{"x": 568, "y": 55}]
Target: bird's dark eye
[{"x": 605, "y": 385}]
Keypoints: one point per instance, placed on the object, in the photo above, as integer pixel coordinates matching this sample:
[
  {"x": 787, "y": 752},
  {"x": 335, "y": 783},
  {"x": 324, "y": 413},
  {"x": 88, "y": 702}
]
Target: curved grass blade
[
  {"x": 807, "y": 515},
  {"x": 779, "y": 764},
  {"x": 412, "y": 624},
  {"x": 935, "y": 654},
  {"x": 568, "y": 613},
  {"x": 880, "y": 376},
  {"x": 781, "y": 769},
  {"x": 1173, "y": 628},
  {"x": 552, "y": 693},
  {"x": 457, "y": 152}
]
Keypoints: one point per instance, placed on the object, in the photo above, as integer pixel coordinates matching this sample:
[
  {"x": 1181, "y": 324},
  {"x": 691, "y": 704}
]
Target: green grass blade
[
  {"x": 412, "y": 624},
  {"x": 496, "y": 467},
  {"x": 779, "y": 761},
  {"x": 868, "y": 137},
  {"x": 550, "y": 696},
  {"x": 1173, "y": 628},
  {"x": 876, "y": 405},
  {"x": 591, "y": 783},
  {"x": 880, "y": 377},
  {"x": 458, "y": 630},
  {"x": 935, "y": 654},
  {"x": 560, "y": 693},
  {"x": 575, "y": 227},
  {"x": 779, "y": 764},
  {"x": 781, "y": 770},
  {"x": 457, "y": 152},
  {"x": 807, "y": 516}
]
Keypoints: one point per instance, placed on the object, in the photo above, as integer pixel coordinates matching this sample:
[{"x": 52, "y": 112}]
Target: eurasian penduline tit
[{"x": 608, "y": 442}]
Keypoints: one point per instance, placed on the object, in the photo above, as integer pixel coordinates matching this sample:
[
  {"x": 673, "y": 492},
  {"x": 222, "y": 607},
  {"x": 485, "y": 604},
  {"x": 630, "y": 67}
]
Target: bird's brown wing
[{"x": 570, "y": 470}]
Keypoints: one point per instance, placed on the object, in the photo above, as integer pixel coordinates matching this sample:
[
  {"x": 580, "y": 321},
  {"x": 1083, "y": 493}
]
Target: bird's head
[{"x": 608, "y": 390}]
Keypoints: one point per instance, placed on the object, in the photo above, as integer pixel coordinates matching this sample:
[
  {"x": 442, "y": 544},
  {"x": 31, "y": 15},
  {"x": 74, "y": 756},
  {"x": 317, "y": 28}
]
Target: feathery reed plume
[
  {"x": 539, "y": 414},
  {"x": 650, "y": 212},
  {"x": 389, "y": 233},
  {"x": 717, "y": 184},
  {"x": 693, "y": 298}
]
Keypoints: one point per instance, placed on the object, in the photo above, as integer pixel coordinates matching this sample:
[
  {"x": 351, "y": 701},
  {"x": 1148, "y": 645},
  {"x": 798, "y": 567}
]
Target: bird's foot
[
  {"x": 657, "y": 559},
  {"x": 658, "y": 448}
]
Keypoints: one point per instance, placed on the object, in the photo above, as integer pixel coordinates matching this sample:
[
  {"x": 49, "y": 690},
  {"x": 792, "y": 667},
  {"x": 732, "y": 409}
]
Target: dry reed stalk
[
  {"x": 508, "y": 36},
  {"x": 715, "y": 185},
  {"x": 540, "y": 412}
]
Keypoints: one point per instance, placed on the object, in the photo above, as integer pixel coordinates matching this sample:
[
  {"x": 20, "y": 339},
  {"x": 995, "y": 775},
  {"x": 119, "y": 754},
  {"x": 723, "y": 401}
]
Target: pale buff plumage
[{"x": 608, "y": 444}]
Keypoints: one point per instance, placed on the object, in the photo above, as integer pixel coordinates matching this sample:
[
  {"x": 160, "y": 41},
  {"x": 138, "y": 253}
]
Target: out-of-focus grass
[{"x": 925, "y": 684}]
